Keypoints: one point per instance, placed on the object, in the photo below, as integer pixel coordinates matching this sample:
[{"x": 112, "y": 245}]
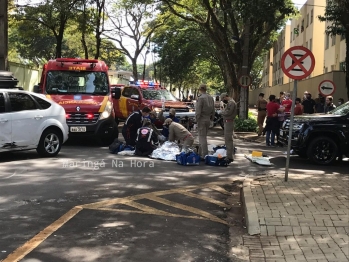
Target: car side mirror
[
  {"x": 136, "y": 97},
  {"x": 37, "y": 89},
  {"x": 116, "y": 93}
]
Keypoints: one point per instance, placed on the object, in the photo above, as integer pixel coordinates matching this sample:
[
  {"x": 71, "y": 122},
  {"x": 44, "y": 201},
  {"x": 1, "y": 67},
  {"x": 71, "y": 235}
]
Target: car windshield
[
  {"x": 72, "y": 82},
  {"x": 342, "y": 110},
  {"x": 158, "y": 94}
]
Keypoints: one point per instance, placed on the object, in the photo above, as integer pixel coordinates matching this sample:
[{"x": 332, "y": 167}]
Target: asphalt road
[{"x": 89, "y": 205}]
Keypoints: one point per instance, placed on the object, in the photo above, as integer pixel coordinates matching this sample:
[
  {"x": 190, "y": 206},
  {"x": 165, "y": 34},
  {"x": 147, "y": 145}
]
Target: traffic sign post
[
  {"x": 327, "y": 88},
  {"x": 297, "y": 63},
  {"x": 245, "y": 81}
]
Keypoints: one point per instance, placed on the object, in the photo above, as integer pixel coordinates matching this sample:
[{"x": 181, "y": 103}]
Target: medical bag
[{"x": 188, "y": 159}]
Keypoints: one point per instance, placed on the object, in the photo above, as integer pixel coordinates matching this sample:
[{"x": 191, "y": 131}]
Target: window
[
  {"x": 302, "y": 26},
  {"x": 291, "y": 38},
  {"x": 327, "y": 43},
  {"x": 311, "y": 44},
  {"x": 326, "y": 69},
  {"x": 43, "y": 104},
  {"x": 127, "y": 92},
  {"x": 311, "y": 16},
  {"x": 342, "y": 37},
  {"x": 2, "y": 103},
  {"x": 307, "y": 19},
  {"x": 333, "y": 67},
  {"x": 342, "y": 66},
  {"x": 135, "y": 92},
  {"x": 120, "y": 76},
  {"x": 306, "y": 44},
  {"x": 21, "y": 102},
  {"x": 333, "y": 40}
]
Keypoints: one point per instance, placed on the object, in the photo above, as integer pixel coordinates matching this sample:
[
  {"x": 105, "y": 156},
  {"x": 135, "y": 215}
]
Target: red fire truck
[{"x": 82, "y": 87}]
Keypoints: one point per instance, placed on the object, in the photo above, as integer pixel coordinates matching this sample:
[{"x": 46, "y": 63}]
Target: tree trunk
[
  {"x": 134, "y": 69},
  {"x": 83, "y": 33},
  {"x": 347, "y": 62}
]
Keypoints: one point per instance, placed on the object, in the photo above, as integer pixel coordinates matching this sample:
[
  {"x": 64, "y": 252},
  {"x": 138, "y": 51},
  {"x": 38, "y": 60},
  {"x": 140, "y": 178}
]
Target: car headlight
[
  {"x": 191, "y": 110},
  {"x": 297, "y": 126},
  {"x": 157, "y": 109},
  {"x": 107, "y": 111}
]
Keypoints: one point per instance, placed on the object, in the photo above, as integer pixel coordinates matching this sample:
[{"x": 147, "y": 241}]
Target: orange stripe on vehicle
[
  {"x": 123, "y": 106},
  {"x": 104, "y": 103}
]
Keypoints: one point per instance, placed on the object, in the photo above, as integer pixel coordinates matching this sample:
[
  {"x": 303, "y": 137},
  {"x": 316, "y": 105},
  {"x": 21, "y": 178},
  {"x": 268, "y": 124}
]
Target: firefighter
[
  {"x": 147, "y": 140},
  {"x": 179, "y": 132},
  {"x": 229, "y": 114},
  {"x": 133, "y": 122},
  {"x": 204, "y": 114}
]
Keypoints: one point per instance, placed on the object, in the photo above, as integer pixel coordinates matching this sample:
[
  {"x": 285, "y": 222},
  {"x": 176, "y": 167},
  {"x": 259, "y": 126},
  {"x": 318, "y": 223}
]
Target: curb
[{"x": 251, "y": 215}]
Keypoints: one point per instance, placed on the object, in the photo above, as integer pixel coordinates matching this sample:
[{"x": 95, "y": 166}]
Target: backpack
[
  {"x": 188, "y": 159},
  {"x": 216, "y": 161},
  {"x": 116, "y": 146}
]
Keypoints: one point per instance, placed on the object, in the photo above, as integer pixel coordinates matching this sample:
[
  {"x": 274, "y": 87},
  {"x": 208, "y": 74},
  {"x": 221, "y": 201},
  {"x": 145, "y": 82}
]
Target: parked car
[
  {"x": 320, "y": 137},
  {"x": 31, "y": 121}
]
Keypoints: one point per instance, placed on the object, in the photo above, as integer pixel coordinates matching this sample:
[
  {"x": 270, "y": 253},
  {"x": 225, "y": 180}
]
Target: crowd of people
[
  {"x": 140, "y": 132},
  {"x": 277, "y": 110}
]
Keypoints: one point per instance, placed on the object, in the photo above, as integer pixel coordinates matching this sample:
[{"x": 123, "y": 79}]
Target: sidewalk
[
  {"x": 250, "y": 137},
  {"x": 304, "y": 219}
]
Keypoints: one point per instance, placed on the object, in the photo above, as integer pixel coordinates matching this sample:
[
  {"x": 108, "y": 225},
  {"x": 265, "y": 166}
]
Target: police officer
[
  {"x": 172, "y": 115},
  {"x": 179, "y": 132},
  {"x": 204, "y": 113},
  {"x": 133, "y": 122},
  {"x": 147, "y": 140},
  {"x": 229, "y": 113}
]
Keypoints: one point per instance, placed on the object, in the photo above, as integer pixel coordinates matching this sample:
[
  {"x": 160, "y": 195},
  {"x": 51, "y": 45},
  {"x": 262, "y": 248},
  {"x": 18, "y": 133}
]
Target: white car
[{"x": 31, "y": 121}]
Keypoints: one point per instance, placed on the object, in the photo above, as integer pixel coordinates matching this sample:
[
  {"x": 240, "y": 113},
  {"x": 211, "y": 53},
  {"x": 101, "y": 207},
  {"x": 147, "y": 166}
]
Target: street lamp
[{"x": 145, "y": 59}]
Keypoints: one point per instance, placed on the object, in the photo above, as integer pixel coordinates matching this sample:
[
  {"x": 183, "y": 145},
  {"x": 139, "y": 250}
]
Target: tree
[
  {"x": 250, "y": 22},
  {"x": 336, "y": 13},
  {"x": 51, "y": 14},
  {"x": 131, "y": 23}
]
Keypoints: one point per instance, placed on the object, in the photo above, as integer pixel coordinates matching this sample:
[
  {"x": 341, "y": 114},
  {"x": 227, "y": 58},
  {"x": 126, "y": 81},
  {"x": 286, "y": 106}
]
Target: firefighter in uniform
[
  {"x": 133, "y": 122},
  {"x": 204, "y": 114},
  {"x": 229, "y": 113},
  {"x": 179, "y": 132},
  {"x": 147, "y": 140}
]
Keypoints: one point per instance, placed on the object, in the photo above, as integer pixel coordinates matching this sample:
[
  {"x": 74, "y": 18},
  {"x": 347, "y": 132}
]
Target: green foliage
[{"x": 246, "y": 125}]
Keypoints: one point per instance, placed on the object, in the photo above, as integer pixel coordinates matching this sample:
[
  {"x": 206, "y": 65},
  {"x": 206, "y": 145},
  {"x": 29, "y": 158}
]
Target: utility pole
[
  {"x": 243, "y": 113},
  {"x": 3, "y": 34}
]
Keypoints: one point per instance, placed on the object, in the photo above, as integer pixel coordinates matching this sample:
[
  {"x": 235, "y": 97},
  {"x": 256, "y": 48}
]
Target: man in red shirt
[{"x": 272, "y": 123}]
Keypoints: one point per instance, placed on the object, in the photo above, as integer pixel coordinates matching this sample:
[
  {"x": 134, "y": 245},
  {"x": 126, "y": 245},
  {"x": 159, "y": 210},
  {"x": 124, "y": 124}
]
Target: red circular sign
[
  {"x": 245, "y": 80},
  {"x": 298, "y": 62},
  {"x": 327, "y": 88}
]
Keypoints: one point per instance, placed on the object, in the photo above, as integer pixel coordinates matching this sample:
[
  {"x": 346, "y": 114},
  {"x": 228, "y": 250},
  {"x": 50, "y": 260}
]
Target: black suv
[{"x": 320, "y": 137}]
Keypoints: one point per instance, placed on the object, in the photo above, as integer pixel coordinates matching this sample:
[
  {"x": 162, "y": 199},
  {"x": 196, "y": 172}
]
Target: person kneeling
[
  {"x": 147, "y": 140},
  {"x": 179, "y": 132}
]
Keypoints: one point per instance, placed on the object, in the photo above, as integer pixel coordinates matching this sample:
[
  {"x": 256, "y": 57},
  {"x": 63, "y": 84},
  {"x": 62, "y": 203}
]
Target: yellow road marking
[
  {"x": 205, "y": 198},
  {"x": 31, "y": 244},
  {"x": 187, "y": 208},
  {"x": 220, "y": 189},
  {"x": 22, "y": 251},
  {"x": 144, "y": 213}
]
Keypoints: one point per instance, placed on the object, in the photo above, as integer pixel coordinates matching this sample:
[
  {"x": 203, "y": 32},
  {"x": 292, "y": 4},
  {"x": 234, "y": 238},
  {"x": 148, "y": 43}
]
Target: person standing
[
  {"x": 204, "y": 114},
  {"x": 272, "y": 124},
  {"x": 340, "y": 101},
  {"x": 308, "y": 105},
  {"x": 229, "y": 114},
  {"x": 287, "y": 104},
  {"x": 298, "y": 107},
  {"x": 262, "y": 112},
  {"x": 133, "y": 122},
  {"x": 320, "y": 104},
  {"x": 329, "y": 106}
]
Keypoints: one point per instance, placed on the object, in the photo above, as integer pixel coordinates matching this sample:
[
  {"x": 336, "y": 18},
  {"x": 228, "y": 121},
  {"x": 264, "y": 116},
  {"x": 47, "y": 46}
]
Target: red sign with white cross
[{"x": 298, "y": 62}]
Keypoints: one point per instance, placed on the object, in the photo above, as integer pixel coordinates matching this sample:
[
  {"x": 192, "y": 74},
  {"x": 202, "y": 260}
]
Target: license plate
[
  {"x": 78, "y": 129},
  {"x": 281, "y": 133}
]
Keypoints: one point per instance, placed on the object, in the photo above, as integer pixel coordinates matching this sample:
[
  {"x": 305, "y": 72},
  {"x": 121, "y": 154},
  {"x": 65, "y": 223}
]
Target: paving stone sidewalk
[{"x": 304, "y": 219}]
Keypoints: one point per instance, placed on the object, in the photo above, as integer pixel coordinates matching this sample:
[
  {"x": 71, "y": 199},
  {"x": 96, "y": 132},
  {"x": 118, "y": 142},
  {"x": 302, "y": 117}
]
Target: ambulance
[{"x": 81, "y": 87}]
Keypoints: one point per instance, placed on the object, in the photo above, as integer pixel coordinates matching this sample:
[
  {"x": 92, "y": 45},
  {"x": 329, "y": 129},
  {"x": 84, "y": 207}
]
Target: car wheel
[
  {"x": 50, "y": 143},
  {"x": 322, "y": 150}
]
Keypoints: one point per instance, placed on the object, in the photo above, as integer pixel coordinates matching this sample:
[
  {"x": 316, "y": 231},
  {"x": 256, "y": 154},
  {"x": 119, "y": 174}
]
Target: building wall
[
  {"x": 27, "y": 76},
  {"x": 267, "y": 69},
  {"x": 311, "y": 85}
]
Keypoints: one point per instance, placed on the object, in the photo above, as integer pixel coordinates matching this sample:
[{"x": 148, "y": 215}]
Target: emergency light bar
[
  {"x": 76, "y": 60},
  {"x": 147, "y": 84}
]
